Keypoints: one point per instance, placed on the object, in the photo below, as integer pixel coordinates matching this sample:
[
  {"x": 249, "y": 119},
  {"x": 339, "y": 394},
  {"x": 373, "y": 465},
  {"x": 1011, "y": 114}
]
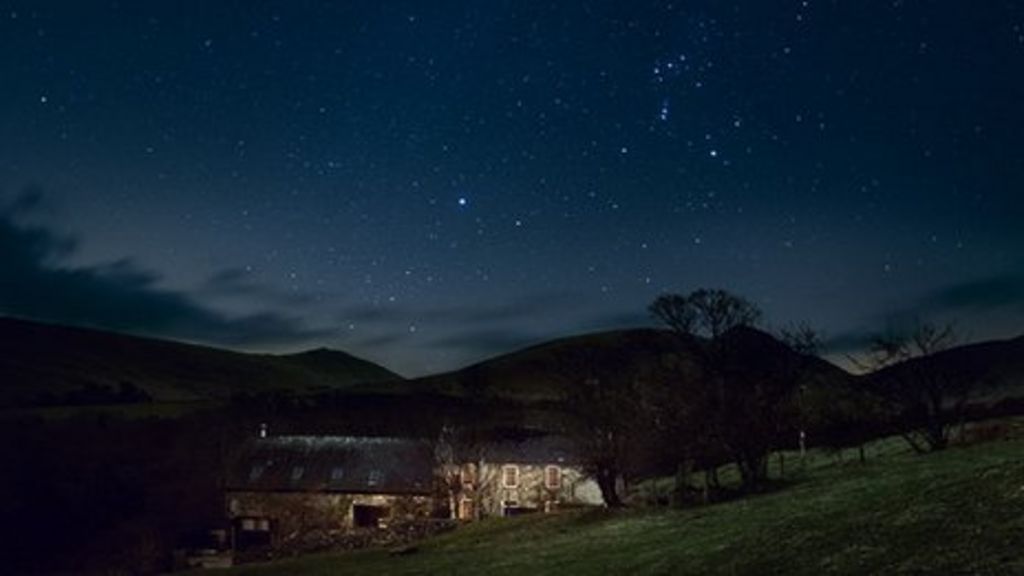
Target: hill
[
  {"x": 540, "y": 373},
  {"x": 956, "y": 512},
  {"x": 49, "y": 364},
  {"x": 996, "y": 365}
]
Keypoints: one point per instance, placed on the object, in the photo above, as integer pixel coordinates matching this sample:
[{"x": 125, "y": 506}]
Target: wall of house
[
  {"x": 300, "y": 515},
  {"x": 488, "y": 490}
]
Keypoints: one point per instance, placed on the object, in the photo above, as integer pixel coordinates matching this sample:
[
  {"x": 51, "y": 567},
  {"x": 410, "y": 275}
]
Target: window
[
  {"x": 255, "y": 524},
  {"x": 256, "y": 472},
  {"x": 297, "y": 472},
  {"x": 466, "y": 511},
  {"x": 337, "y": 473},
  {"x": 469, "y": 474},
  {"x": 374, "y": 478},
  {"x": 553, "y": 477},
  {"x": 510, "y": 476},
  {"x": 253, "y": 533}
]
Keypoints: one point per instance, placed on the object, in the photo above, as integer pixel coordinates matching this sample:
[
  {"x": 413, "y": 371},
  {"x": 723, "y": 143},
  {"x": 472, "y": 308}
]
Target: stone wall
[
  {"x": 489, "y": 493},
  {"x": 296, "y": 518}
]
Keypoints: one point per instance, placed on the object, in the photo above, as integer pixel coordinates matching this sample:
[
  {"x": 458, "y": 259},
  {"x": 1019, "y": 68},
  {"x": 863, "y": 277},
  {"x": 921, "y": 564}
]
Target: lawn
[{"x": 956, "y": 512}]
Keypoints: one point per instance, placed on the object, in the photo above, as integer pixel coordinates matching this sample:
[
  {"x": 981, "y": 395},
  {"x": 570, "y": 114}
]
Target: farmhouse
[
  {"x": 515, "y": 477},
  {"x": 286, "y": 491},
  {"x": 282, "y": 489}
]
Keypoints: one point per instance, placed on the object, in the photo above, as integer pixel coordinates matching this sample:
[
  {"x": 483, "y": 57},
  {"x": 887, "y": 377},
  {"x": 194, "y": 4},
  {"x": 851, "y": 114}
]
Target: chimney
[{"x": 264, "y": 429}]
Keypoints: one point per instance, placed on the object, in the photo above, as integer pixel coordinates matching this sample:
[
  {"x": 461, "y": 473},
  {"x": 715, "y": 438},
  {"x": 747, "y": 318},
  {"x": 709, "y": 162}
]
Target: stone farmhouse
[
  {"x": 284, "y": 490},
  {"x": 516, "y": 477}
]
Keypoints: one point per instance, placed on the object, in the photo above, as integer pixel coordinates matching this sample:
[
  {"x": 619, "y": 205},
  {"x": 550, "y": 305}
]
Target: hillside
[
  {"x": 541, "y": 372},
  {"x": 957, "y": 512},
  {"x": 41, "y": 362},
  {"x": 996, "y": 365}
]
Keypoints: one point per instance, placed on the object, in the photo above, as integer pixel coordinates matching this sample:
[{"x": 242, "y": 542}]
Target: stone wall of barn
[{"x": 296, "y": 516}]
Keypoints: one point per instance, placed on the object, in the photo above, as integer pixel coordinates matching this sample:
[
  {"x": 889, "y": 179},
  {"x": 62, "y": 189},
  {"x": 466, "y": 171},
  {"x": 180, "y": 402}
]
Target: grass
[
  {"x": 134, "y": 411},
  {"x": 956, "y": 512}
]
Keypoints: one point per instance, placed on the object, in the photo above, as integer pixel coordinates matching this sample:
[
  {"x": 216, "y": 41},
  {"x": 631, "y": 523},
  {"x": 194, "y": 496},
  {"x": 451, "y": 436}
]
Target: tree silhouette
[
  {"x": 745, "y": 378},
  {"x": 928, "y": 398}
]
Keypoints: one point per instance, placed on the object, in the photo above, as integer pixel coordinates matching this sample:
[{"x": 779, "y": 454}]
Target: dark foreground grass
[{"x": 957, "y": 512}]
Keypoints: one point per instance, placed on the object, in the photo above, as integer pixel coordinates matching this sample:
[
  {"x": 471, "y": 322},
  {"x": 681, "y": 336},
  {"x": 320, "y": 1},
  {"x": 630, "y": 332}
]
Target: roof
[
  {"x": 333, "y": 464},
  {"x": 535, "y": 450}
]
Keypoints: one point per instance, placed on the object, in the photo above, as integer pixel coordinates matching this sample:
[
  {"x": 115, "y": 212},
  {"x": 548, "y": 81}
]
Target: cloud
[
  {"x": 619, "y": 320},
  {"x": 37, "y": 283},
  {"x": 470, "y": 333},
  {"x": 995, "y": 293},
  {"x": 379, "y": 340},
  {"x": 487, "y": 342},
  {"x": 992, "y": 293},
  {"x": 236, "y": 282},
  {"x": 374, "y": 313},
  {"x": 539, "y": 304},
  {"x": 848, "y": 342},
  {"x": 535, "y": 305}
]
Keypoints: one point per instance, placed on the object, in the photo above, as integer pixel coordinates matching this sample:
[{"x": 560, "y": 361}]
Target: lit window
[
  {"x": 255, "y": 524},
  {"x": 469, "y": 474},
  {"x": 466, "y": 511},
  {"x": 510, "y": 476},
  {"x": 553, "y": 477}
]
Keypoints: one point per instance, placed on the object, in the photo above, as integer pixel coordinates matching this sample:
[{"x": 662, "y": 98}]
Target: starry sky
[{"x": 427, "y": 184}]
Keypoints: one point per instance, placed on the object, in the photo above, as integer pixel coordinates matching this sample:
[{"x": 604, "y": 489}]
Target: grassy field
[{"x": 957, "y": 512}]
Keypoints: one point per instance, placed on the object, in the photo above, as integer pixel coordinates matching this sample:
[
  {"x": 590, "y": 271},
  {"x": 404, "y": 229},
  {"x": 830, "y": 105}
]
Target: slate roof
[
  {"x": 537, "y": 450},
  {"x": 333, "y": 464}
]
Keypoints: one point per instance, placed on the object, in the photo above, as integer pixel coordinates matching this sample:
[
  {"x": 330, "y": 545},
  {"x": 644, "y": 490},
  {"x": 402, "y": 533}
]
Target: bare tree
[
  {"x": 805, "y": 341},
  {"x": 459, "y": 458},
  {"x": 610, "y": 420},
  {"x": 739, "y": 403},
  {"x": 929, "y": 398}
]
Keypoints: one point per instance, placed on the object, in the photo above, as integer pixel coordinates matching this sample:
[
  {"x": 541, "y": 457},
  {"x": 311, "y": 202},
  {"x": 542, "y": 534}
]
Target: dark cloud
[
  {"x": 372, "y": 313},
  {"x": 29, "y": 201},
  {"x": 848, "y": 342},
  {"x": 532, "y": 306},
  {"x": 475, "y": 332},
  {"x": 487, "y": 342},
  {"x": 619, "y": 320},
  {"x": 239, "y": 282},
  {"x": 536, "y": 305},
  {"x": 37, "y": 283},
  {"x": 994, "y": 292},
  {"x": 378, "y": 341}
]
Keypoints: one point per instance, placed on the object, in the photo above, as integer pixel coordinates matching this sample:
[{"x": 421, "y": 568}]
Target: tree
[
  {"x": 805, "y": 341},
  {"x": 744, "y": 378},
  {"x": 927, "y": 397},
  {"x": 610, "y": 418}
]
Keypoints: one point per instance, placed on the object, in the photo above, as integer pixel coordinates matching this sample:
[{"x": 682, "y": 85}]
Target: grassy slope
[
  {"x": 961, "y": 511},
  {"x": 37, "y": 358}
]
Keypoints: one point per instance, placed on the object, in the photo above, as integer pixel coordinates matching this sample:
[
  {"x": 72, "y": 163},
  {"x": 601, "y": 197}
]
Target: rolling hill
[
  {"x": 541, "y": 373},
  {"x": 43, "y": 364},
  {"x": 996, "y": 365}
]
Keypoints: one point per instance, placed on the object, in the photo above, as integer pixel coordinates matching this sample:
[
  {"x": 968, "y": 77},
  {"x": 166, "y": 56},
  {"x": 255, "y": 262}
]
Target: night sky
[{"x": 427, "y": 184}]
